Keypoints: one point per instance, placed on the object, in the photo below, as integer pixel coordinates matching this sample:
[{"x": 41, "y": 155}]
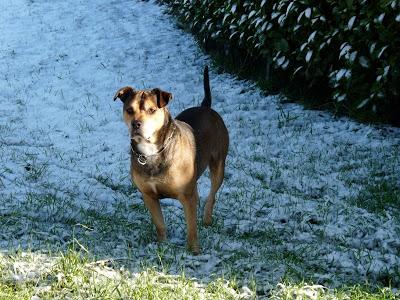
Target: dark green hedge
[{"x": 352, "y": 45}]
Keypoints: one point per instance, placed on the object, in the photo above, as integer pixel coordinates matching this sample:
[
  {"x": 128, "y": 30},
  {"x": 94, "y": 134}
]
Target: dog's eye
[
  {"x": 129, "y": 111},
  {"x": 151, "y": 110}
]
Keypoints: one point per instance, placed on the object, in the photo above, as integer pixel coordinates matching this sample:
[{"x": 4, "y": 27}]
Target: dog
[{"x": 169, "y": 155}]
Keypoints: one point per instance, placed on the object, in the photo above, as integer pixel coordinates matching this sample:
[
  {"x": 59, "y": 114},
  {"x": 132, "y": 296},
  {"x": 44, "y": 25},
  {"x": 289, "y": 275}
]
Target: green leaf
[
  {"x": 263, "y": 2},
  {"x": 282, "y": 45},
  {"x": 349, "y": 3}
]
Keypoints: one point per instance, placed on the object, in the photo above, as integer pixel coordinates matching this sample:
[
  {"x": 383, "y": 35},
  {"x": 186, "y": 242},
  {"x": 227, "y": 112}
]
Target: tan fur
[{"x": 182, "y": 148}]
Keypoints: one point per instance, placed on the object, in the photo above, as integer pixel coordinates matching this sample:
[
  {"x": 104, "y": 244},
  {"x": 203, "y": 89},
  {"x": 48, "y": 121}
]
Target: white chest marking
[
  {"x": 147, "y": 148},
  {"x": 152, "y": 184}
]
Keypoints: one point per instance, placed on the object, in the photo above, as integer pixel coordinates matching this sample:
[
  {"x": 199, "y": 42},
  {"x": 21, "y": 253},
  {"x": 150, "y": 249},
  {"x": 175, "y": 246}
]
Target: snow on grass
[
  {"x": 73, "y": 276},
  {"x": 306, "y": 196}
]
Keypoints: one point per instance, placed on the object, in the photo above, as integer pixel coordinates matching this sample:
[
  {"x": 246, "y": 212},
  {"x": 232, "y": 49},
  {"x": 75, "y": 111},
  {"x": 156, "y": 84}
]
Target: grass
[
  {"x": 379, "y": 188},
  {"x": 379, "y": 197},
  {"x": 96, "y": 239},
  {"x": 73, "y": 275},
  {"x": 34, "y": 169},
  {"x": 77, "y": 275},
  {"x": 75, "y": 268},
  {"x": 85, "y": 232},
  {"x": 123, "y": 188},
  {"x": 314, "y": 292}
]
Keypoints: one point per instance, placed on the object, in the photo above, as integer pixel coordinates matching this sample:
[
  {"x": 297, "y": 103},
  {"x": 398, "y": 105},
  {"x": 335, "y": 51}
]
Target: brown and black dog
[{"x": 168, "y": 156}]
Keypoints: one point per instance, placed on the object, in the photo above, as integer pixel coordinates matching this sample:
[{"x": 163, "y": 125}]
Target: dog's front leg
[
  {"x": 153, "y": 205},
  {"x": 189, "y": 203}
]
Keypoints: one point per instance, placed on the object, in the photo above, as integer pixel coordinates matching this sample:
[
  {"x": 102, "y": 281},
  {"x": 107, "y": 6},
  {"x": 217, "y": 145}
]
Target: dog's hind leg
[{"x": 217, "y": 169}]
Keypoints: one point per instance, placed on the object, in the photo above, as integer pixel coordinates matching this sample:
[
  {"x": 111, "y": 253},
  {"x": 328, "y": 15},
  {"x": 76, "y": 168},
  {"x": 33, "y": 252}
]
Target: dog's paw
[
  {"x": 195, "y": 249},
  {"x": 207, "y": 221},
  {"x": 161, "y": 236}
]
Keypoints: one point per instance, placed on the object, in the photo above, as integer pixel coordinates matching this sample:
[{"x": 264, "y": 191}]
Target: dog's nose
[{"x": 136, "y": 124}]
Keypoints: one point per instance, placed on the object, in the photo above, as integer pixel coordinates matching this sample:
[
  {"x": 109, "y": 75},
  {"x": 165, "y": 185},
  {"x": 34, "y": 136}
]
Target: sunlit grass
[
  {"x": 73, "y": 275},
  {"x": 315, "y": 292}
]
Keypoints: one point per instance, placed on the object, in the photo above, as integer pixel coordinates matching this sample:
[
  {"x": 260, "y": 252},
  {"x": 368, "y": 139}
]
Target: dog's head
[{"x": 144, "y": 112}]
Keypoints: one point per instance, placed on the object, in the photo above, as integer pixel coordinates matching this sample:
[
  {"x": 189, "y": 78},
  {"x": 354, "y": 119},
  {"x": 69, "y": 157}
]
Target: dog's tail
[{"x": 207, "y": 92}]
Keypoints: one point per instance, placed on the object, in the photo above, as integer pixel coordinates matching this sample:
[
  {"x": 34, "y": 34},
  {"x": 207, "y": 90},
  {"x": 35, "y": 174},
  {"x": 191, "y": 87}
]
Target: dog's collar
[{"x": 142, "y": 159}]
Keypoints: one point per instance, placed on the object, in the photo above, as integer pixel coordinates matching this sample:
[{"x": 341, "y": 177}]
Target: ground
[{"x": 306, "y": 196}]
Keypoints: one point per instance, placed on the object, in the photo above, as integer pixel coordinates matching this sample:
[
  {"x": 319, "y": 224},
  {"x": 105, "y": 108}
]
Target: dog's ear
[
  {"x": 162, "y": 97},
  {"x": 124, "y": 93}
]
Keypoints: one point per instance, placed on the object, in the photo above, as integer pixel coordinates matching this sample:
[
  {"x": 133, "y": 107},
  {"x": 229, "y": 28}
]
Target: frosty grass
[{"x": 309, "y": 202}]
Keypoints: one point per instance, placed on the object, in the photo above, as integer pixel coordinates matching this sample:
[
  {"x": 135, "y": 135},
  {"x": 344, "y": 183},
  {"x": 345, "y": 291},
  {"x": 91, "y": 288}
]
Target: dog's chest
[
  {"x": 156, "y": 187},
  {"x": 147, "y": 148},
  {"x": 152, "y": 185}
]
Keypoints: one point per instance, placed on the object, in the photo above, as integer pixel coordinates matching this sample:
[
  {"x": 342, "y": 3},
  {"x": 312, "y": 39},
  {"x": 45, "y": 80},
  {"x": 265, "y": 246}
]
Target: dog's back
[{"x": 210, "y": 132}]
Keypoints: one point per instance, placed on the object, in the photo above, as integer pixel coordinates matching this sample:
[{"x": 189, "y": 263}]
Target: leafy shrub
[{"x": 353, "y": 45}]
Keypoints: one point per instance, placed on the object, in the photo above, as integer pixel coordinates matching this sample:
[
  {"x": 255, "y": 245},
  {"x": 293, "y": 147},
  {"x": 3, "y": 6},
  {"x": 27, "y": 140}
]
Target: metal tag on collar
[{"x": 142, "y": 159}]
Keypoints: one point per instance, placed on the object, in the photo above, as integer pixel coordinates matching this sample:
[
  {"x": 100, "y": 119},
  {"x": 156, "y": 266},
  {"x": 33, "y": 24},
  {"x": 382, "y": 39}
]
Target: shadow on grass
[
  {"x": 379, "y": 197},
  {"x": 54, "y": 244}
]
